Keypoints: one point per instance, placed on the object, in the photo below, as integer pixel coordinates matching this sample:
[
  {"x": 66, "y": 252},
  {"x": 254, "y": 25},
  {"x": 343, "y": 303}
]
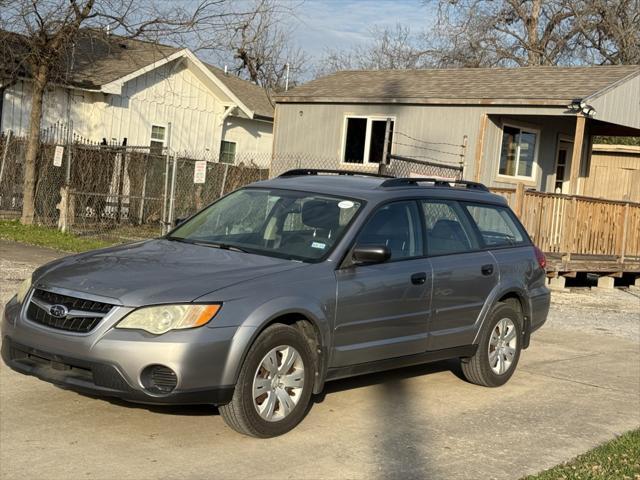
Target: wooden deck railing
[{"x": 567, "y": 225}]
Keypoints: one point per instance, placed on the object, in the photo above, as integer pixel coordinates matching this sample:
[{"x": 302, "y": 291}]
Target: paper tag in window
[
  {"x": 319, "y": 245},
  {"x": 57, "y": 156},
  {"x": 200, "y": 171},
  {"x": 345, "y": 204}
]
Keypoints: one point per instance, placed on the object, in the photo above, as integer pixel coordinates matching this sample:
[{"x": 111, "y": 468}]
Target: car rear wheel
[
  {"x": 274, "y": 386},
  {"x": 499, "y": 348}
]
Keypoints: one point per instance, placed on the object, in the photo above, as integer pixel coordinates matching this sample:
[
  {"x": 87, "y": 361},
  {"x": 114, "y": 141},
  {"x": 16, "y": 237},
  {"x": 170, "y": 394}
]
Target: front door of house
[{"x": 563, "y": 167}]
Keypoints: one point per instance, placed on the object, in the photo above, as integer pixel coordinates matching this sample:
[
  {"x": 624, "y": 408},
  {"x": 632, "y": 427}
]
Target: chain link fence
[{"x": 124, "y": 193}]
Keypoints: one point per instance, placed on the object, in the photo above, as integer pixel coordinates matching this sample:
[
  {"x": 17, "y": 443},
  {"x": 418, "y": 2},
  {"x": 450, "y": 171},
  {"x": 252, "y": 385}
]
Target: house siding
[
  {"x": 171, "y": 93},
  {"x": 620, "y": 105},
  {"x": 253, "y": 140},
  {"x": 316, "y": 130}
]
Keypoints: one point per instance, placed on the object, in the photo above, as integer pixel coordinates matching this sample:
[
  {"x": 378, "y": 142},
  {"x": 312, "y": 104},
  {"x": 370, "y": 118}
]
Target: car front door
[
  {"x": 463, "y": 274},
  {"x": 383, "y": 309}
]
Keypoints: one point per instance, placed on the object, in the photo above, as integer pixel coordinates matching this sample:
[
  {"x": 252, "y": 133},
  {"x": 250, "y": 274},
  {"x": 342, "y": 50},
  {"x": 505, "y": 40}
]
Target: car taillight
[{"x": 542, "y": 260}]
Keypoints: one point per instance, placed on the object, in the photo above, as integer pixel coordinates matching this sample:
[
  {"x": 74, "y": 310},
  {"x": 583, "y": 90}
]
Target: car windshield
[{"x": 279, "y": 223}]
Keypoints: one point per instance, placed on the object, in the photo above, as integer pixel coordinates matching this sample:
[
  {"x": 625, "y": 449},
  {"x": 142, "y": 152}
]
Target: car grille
[{"x": 82, "y": 317}]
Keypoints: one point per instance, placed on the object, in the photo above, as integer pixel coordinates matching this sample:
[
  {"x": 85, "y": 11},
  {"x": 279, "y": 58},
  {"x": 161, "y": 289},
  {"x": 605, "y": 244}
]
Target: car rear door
[
  {"x": 463, "y": 274},
  {"x": 383, "y": 309}
]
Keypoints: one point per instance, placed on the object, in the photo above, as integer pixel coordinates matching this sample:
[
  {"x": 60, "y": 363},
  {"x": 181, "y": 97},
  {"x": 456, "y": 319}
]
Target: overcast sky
[{"x": 323, "y": 24}]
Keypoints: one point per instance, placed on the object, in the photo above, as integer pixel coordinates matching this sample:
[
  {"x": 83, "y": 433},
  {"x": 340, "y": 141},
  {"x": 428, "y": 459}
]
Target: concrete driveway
[{"x": 577, "y": 385}]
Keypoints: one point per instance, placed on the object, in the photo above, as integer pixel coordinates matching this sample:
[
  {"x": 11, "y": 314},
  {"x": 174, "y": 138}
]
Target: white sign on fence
[
  {"x": 57, "y": 156},
  {"x": 200, "y": 171}
]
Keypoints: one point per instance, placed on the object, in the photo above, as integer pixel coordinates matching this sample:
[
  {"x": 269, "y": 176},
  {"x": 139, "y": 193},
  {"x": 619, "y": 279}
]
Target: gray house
[{"x": 504, "y": 126}]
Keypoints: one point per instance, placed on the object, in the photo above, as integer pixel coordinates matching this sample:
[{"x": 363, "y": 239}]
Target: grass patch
[
  {"x": 48, "y": 237},
  {"x": 618, "y": 459}
]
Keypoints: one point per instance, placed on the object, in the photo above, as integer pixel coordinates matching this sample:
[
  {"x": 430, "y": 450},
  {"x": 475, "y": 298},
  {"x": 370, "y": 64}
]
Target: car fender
[
  {"x": 319, "y": 314},
  {"x": 503, "y": 288}
]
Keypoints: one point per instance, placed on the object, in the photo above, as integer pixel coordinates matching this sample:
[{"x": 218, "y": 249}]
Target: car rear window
[{"x": 497, "y": 225}]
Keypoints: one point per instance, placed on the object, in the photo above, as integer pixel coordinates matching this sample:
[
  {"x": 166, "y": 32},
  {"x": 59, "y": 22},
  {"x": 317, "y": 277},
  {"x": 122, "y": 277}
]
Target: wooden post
[
  {"x": 576, "y": 157},
  {"x": 519, "y": 199},
  {"x": 625, "y": 226},
  {"x": 463, "y": 155},
  {"x": 384, "y": 161},
  {"x": 480, "y": 147}
]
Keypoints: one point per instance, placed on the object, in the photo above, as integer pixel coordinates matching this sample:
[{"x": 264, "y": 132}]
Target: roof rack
[
  {"x": 315, "y": 171},
  {"x": 437, "y": 182}
]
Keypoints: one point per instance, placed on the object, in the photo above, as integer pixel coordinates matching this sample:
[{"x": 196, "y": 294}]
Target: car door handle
[
  {"x": 487, "y": 269},
  {"x": 418, "y": 278}
]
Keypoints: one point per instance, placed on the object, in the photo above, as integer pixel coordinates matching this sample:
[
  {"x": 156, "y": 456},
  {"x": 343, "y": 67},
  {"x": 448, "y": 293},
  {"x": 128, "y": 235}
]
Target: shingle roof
[
  {"x": 253, "y": 96},
  {"x": 468, "y": 85},
  {"x": 99, "y": 59}
]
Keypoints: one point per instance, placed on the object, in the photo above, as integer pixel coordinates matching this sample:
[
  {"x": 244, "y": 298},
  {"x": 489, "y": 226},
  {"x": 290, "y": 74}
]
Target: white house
[{"x": 119, "y": 89}]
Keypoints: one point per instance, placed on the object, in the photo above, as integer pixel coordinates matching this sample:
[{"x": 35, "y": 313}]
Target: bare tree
[
  {"x": 390, "y": 48},
  {"x": 610, "y": 30},
  {"x": 260, "y": 47},
  {"x": 38, "y": 38},
  {"x": 535, "y": 32}
]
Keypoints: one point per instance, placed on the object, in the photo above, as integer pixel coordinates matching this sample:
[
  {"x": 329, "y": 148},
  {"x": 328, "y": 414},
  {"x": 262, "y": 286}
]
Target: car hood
[{"x": 157, "y": 271}]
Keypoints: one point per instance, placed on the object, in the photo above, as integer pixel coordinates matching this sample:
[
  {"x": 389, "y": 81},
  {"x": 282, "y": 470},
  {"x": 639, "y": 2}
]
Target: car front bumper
[{"x": 109, "y": 361}]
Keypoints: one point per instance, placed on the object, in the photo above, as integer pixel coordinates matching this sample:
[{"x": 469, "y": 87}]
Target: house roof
[
  {"x": 253, "y": 96},
  {"x": 528, "y": 85},
  {"x": 99, "y": 60}
]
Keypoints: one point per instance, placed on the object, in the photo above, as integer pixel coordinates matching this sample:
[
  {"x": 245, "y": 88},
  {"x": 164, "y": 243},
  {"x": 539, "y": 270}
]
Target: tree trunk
[{"x": 32, "y": 148}]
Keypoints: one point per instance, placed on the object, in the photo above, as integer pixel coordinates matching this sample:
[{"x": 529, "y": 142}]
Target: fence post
[
  {"x": 386, "y": 146},
  {"x": 172, "y": 194},
  {"x": 463, "y": 155},
  {"x": 224, "y": 179},
  {"x": 142, "y": 197},
  {"x": 519, "y": 199},
  {"x": 164, "y": 220},
  {"x": 625, "y": 226},
  {"x": 4, "y": 154}
]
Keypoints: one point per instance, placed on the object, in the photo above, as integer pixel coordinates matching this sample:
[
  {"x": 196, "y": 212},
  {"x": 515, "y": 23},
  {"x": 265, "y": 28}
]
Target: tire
[
  {"x": 484, "y": 367},
  {"x": 242, "y": 413}
]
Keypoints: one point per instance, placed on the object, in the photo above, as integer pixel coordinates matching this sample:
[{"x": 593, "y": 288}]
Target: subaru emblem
[{"x": 58, "y": 311}]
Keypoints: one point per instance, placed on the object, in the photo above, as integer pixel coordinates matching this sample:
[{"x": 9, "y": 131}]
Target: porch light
[{"x": 578, "y": 105}]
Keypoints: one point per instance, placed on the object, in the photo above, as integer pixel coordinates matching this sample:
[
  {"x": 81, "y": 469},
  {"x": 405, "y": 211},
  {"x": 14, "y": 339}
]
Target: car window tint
[
  {"x": 448, "y": 230},
  {"x": 496, "y": 225},
  {"x": 397, "y": 226}
]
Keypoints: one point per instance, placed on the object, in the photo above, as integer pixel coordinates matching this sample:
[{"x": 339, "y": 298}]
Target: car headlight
[
  {"x": 162, "y": 318},
  {"x": 23, "y": 289}
]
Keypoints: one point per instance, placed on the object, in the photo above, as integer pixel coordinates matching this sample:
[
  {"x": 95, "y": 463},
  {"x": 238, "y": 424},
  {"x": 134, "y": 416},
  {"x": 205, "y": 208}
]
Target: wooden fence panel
[{"x": 570, "y": 224}]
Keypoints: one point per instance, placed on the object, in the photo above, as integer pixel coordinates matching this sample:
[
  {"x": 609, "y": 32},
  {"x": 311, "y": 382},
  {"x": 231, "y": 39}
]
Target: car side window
[
  {"x": 496, "y": 225},
  {"x": 396, "y": 225},
  {"x": 448, "y": 229}
]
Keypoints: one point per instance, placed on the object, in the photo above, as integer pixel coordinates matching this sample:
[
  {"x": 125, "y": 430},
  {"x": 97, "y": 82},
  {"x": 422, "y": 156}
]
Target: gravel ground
[{"x": 613, "y": 312}]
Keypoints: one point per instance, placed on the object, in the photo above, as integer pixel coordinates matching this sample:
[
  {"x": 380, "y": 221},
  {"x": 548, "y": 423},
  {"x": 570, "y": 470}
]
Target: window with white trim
[
  {"x": 227, "y": 152},
  {"x": 364, "y": 139},
  {"x": 518, "y": 152},
  {"x": 157, "y": 139}
]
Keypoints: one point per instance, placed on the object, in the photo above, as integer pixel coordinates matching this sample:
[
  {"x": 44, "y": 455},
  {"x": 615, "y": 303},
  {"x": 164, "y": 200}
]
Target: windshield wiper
[{"x": 205, "y": 243}]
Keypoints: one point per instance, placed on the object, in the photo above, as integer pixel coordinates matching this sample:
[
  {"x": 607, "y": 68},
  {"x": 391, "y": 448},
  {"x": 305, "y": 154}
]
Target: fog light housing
[{"x": 158, "y": 379}]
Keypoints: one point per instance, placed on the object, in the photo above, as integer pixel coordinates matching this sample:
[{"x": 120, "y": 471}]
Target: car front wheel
[{"x": 274, "y": 386}]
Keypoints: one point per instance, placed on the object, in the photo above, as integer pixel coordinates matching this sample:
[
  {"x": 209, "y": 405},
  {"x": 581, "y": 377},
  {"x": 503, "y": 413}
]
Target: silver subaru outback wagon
[{"x": 253, "y": 303}]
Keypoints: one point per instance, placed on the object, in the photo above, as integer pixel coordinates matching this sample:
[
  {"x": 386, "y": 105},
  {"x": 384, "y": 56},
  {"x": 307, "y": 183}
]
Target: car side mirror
[
  {"x": 179, "y": 221},
  {"x": 369, "y": 254}
]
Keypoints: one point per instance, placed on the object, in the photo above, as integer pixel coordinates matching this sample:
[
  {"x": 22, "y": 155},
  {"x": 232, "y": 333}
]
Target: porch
[{"x": 578, "y": 233}]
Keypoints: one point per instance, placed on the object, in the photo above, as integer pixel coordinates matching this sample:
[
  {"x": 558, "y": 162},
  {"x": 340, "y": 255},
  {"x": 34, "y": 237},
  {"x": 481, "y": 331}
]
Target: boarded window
[
  {"x": 227, "y": 152},
  {"x": 518, "y": 152}
]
